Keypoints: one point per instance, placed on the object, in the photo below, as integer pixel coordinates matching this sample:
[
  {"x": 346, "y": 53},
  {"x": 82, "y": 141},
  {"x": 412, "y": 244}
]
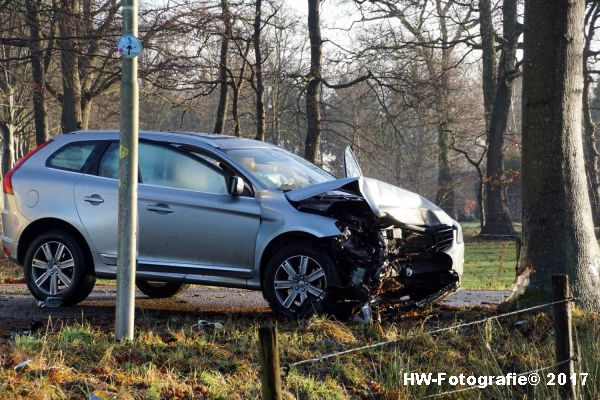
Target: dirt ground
[{"x": 19, "y": 310}]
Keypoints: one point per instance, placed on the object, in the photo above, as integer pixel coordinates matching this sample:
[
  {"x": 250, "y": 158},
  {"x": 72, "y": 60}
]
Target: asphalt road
[{"x": 18, "y": 308}]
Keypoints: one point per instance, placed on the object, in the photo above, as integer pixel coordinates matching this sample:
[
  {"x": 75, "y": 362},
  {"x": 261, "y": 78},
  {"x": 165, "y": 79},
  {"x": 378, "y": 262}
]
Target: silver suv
[{"x": 224, "y": 211}]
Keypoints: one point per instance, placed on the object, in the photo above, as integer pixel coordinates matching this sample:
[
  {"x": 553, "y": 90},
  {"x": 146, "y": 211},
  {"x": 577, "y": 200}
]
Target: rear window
[{"x": 72, "y": 157}]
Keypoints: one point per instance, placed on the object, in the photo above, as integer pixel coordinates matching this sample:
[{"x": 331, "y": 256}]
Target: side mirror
[{"x": 236, "y": 186}]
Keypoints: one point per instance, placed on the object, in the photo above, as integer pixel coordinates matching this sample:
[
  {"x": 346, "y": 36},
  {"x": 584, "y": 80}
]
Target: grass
[
  {"x": 489, "y": 264},
  {"x": 170, "y": 360},
  {"x": 9, "y": 271}
]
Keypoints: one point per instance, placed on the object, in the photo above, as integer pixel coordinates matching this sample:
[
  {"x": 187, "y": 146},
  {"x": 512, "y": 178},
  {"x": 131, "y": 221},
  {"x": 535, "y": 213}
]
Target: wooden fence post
[
  {"x": 563, "y": 334},
  {"x": 270, "y": 371}
]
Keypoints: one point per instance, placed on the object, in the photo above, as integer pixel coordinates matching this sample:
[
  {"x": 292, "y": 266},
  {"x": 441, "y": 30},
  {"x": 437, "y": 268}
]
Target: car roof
[{"x": 211, "y": 139}]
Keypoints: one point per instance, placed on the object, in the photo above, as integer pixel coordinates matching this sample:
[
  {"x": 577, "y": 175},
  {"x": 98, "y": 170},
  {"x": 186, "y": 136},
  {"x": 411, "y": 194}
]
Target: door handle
[
  {"x": 160, "y": 208},
  {"x": 94, "y": 199}
]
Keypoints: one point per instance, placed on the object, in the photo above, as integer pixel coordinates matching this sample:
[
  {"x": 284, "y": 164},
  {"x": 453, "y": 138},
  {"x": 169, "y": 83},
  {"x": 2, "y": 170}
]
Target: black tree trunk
[
  {"x": 558, "y": 235},
  {"x": 497, "y": 217},
  {"x": 260, "y": 87},
  {"x": 223, "y": 67},
  {"x": 38, "y": 73},
  {"x": 312, "y": 143}
]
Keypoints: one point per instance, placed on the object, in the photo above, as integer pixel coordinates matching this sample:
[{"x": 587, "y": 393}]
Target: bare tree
[
  {"x": 497, "y": 217},
  {"x": 592, "y": 156},
  {"x": 223, "y": 68},
  {"x": 435, "y": 31},
  {"x": 38, "y": 70},
  {"x": 72, "y": 115},
  {"x": 488, "y": 57},
  {"x": 15, "y": 116},
  {"x": 16, "y": 91},
  {"x": 88, "y": 67},
  {"x": 283, "y": 59},
  {"x": 558, "y": 234},
  {"x": 312, "y": 143},
  {"x": 258, "y": 72},
  {"x": 237, "y": 82}
]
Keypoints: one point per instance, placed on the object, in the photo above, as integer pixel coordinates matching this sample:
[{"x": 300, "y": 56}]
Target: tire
[
  {"x": 55, "y": 265},
  {"x": 294, "y": 292},
  {"x": 160, "y": 290}
]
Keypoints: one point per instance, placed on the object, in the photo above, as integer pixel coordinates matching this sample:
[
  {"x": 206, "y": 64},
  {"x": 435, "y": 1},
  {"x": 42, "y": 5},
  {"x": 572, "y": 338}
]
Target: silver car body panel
[
  {"x": 36, "y": 199},
  {"x": 279, "y": 218}
]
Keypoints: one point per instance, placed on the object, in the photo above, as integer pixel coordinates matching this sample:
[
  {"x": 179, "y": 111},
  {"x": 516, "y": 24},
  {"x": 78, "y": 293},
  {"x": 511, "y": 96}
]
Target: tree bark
[
  {"x": 558, "y": 235},
  {"x": 276, "y": 116},
  {"x": 38, "y": 73},
  {"x": 14, "y": 118},
  {"x": 445, "y": 197},
  {"x": 235, "y": 107},
  {"x": 8, "y": 147},
  {"x": 488, "y": 58},
  {"x": 236, "y": 86},
  {"x": 592, "y": 157},
  {"x": 71, "y": 116},
  {"x": 312, "y": 142},
  {"x": 481, "y": 201},
  {"x": 223, "y": 68},
  {"x": 260, "y": 87},
  {"x": 7, "y": 126},
  {"x": 497, "y": 218},
  {"x": 446, "y": 193},
  {"x": 86, "y": 108}
]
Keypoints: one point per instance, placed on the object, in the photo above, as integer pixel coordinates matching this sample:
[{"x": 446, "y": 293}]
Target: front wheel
[
  {"x": 159, "y": 290},
  {"x": 55, "y": 266},
  {"x": 296, "y": 278}
]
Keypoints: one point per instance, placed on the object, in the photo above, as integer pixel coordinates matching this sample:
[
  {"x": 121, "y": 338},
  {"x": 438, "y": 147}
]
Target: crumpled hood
[{"x": 383, "y": 199}]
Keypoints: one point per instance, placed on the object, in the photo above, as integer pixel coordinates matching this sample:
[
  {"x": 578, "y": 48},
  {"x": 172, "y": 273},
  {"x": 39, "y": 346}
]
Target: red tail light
[{"x": 7, "y": 183}]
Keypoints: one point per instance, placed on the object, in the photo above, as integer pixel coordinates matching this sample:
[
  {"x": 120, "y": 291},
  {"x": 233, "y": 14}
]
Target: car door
[
  {"x": 96, "y": 199},
  {"x": 188, "y": 222}
]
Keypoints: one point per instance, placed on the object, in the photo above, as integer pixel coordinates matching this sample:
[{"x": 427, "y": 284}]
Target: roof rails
[{"x": 201, "y": 134}]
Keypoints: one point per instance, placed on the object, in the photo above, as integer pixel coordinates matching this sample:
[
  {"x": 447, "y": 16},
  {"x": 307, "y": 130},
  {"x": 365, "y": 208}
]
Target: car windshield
[{"x": 279, "y": 169}]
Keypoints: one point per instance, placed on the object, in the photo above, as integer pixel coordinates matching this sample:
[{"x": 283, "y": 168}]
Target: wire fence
[
  {"x": 287, "y": 367},
  {"x": 271, "y": 370}
]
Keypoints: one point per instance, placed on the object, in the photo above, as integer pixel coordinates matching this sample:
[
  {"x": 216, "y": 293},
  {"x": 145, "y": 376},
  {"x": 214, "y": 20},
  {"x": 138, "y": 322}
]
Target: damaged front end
[{"x": 387, "y": 264}]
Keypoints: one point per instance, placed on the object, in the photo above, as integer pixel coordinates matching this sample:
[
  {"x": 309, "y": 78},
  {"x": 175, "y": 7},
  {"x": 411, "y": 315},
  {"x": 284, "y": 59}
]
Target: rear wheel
[
  {"x": 160, "y": 290},
  {"x": 55, "y": 265},
  {"x": 296, "y": 278}
]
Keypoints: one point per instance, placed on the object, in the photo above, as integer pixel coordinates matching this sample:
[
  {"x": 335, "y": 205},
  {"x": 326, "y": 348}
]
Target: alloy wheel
[
  {"x": 298, "y": 279},
  {"x": 53, "y": 268}
]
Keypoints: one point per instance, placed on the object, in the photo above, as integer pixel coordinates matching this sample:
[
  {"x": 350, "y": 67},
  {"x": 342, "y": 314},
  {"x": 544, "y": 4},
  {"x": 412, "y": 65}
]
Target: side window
[
  {"x": 108, "y": 166},
  {"x": 72, "y": 157},
  {"x": 162, "y": 166}
]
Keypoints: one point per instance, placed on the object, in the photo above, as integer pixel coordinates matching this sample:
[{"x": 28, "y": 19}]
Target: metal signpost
[{"x": 129, "y": 48}]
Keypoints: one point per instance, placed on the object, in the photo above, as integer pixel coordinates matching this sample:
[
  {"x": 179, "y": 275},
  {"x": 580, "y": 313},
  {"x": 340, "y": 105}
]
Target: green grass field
[
  {"x": 169, "y": 359},
  {"x": 489, "y": 264}
]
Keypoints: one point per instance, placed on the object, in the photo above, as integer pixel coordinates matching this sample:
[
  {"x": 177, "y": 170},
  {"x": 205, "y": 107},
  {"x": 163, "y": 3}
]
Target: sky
[{"x": 335, "y": 16}]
